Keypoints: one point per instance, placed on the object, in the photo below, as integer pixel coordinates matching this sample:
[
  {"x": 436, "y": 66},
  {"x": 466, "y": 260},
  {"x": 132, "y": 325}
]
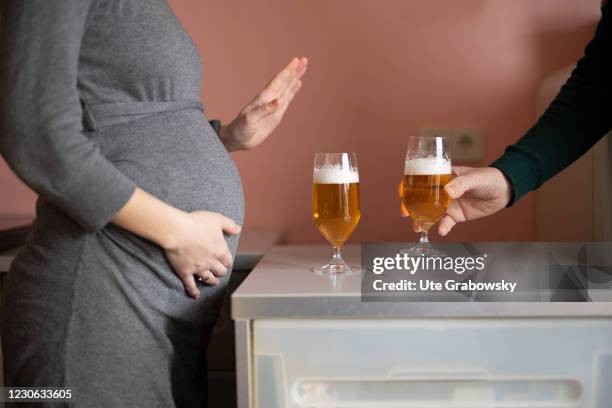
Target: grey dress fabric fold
[{"x": 98, "y": 97}]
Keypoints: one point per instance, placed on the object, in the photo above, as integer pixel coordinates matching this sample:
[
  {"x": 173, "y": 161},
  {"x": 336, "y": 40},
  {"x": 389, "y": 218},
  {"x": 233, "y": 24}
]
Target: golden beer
[
  {"x": 335, "y": 204},
  {"x": 424, "y": 196}
]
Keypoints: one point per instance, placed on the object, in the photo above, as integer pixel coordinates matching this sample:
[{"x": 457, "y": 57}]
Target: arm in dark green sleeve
[{"x": 579, "y": 116}]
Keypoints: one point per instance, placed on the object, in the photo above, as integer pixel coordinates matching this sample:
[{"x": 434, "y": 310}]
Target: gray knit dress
[{"x": 98, "y": 97}]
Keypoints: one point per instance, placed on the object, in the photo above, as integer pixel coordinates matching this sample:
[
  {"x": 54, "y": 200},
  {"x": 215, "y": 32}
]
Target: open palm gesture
[{"x": 264, "y": 113}]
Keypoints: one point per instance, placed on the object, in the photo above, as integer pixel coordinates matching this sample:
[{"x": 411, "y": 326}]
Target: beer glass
[
  {"x": 427, "y": 169},
  {"x": 335, "y": 204}
]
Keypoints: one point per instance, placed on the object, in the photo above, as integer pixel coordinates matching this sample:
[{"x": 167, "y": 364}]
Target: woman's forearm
[{"x": 150, "y": 218}]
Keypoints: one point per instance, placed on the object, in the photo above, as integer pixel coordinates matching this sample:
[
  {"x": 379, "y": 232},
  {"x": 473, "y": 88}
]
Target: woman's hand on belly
[
  {"x": 264, "y": 113},
  {"x": 197, "y": 249},
  {"x": 193, "y": 242}
]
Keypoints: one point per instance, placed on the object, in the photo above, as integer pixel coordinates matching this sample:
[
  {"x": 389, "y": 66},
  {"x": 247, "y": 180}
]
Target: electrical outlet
[{"x": 466, "y": 143}]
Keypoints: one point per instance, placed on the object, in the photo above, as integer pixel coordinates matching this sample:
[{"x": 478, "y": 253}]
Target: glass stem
[
  {"x": 423, "y": 238},
  {"x": 337, "y": 257}
]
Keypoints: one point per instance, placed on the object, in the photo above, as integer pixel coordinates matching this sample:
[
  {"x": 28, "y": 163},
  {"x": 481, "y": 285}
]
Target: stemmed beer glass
[
  {"x": 427, "y": 169},
  {"x": 335, "y": 203}
]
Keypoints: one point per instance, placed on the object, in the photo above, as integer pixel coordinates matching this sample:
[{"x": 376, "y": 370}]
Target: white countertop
[
  {"x": 254, "y": 244},
  {"x": 287, "y": 271},
  {"x": 284, "y": 286}
]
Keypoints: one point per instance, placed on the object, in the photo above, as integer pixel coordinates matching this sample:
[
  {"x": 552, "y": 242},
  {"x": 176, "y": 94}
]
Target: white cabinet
[{"x": 440, "y": 363}]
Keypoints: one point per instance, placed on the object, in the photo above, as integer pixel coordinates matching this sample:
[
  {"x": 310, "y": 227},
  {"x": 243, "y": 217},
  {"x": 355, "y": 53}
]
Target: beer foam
[
  {"x": 335, "y": 175},
  {"x": 424, "y": 166}
]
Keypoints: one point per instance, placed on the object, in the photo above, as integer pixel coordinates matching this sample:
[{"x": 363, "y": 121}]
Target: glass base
[
  {"x": 336, "y": 269},
  {"x": 423, "y": 249},
  {"x": 337, "y": 265}
]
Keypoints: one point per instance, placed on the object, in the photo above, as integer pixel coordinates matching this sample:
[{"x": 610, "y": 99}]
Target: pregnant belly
[{"x": 177, "y": 157}]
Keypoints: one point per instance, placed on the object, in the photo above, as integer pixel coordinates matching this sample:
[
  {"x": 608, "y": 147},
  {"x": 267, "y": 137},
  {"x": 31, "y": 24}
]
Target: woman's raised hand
[{"x": 263, "y": 114}]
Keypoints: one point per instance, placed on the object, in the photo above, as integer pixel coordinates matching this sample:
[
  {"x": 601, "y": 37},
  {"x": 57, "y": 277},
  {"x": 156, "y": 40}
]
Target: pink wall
[{"x": 379, "y": 70}]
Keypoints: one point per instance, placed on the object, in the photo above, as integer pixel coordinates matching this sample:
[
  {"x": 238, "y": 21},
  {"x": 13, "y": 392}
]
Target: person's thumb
[
  {"x": 229, "y": 226},
  {"x": 458, "y": 186}
]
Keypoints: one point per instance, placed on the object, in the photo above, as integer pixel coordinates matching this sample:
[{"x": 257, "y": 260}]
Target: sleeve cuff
[
  {"x": 216, "y": 125},
  {"x": 522, "y": 173},
  {"x": 99, "y": 192}
]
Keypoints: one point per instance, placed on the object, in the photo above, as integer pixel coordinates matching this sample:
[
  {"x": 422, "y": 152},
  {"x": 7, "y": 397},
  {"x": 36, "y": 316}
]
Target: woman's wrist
[
  {"x": 228, "y": 138},
  {"x": 168, "y": 235}
]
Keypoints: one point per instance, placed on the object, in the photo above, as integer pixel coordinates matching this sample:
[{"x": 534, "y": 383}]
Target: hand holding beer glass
[
  {"x": 427, "y": 170},
  {"x": 335, "y": 201}
]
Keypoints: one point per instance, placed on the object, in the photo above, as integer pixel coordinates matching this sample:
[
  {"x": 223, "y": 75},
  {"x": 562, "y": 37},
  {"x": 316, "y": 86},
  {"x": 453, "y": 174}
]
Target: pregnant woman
[{"x": 119, "y": 285}]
